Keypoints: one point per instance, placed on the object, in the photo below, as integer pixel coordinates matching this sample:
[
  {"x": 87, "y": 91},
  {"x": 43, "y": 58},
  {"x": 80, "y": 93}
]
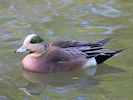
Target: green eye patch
[{"x": 36, "y": 39}]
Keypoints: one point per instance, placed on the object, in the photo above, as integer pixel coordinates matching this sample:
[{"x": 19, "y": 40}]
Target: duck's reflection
[
  {"x": 59, "y": 81},
  {"x": 63, "y": 82}
]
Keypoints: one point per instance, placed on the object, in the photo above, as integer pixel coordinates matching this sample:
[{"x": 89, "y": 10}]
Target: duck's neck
[{"x": 40, "y": 51}]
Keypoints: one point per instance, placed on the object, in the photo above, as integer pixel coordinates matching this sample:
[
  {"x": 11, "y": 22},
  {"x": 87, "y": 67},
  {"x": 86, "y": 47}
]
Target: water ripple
[
  {"x": 104, "y": 9},
  {"x": 108, "y": 29},
  {"x": 6, "y": 36},
  {"x": 81, "y": 98},
  {"x": 60, "y": 90}
]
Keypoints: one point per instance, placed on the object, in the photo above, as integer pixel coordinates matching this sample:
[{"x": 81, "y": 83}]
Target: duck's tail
[
  {"x": 104, "y": 41},
  {"x": 102, "y": 57}
]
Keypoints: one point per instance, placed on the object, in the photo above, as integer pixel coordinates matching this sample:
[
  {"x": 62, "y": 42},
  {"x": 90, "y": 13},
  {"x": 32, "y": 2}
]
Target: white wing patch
[{"x": 90, "y": 62}]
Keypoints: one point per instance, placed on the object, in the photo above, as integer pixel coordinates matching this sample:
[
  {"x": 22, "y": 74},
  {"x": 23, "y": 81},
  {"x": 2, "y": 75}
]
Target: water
[{"x": 73, "y": 20}]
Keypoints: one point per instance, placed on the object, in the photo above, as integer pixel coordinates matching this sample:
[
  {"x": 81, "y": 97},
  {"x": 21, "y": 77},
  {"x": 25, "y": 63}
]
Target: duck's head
[{"x": 33, "y": 43}]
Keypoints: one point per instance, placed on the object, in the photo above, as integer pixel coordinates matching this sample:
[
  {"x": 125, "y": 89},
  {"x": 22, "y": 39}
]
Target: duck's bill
[{"x": 21, "y": 49}]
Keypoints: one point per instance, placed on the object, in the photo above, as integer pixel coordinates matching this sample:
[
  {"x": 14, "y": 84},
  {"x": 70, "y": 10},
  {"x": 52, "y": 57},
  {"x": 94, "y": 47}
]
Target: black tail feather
[
  {"x": 119, "y": 51},
  {"x": 101, "y": 58}
]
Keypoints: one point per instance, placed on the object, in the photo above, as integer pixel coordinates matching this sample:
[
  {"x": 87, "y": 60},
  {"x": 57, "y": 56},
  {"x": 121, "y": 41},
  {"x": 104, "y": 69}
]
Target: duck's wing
[
  {"x": 93, "y": 52},
  {"x": 102, "y": 55},
  {"x": 73, "y": 43}
]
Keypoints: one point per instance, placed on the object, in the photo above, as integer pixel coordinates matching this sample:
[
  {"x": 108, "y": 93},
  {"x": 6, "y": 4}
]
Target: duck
[{"x": 63, "y": 55}]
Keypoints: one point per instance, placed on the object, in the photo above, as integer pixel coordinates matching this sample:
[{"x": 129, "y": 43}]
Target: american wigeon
[{"x": 64, "y": 55}]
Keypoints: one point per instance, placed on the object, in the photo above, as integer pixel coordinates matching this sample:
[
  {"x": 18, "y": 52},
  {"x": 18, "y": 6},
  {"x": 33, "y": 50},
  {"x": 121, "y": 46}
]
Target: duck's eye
[{"x": 36, "y": 39}]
